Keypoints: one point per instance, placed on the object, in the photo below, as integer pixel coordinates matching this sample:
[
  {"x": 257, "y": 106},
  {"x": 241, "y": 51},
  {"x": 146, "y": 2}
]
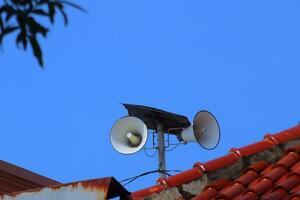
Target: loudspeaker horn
[
  {"x": 205, "y": 130},
  {"x": 128, "y": 135}
]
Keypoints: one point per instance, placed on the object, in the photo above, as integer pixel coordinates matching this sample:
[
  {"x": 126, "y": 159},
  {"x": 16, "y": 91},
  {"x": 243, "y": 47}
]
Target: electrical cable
[
  {"x": 148, "y": 155},
  {"x": 131, "y": 179},
  {"x": 174, "y": 147}
]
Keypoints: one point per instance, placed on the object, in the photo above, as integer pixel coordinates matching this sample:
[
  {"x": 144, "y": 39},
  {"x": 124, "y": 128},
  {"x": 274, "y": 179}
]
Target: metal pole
[{"x": 161, "y": 150}]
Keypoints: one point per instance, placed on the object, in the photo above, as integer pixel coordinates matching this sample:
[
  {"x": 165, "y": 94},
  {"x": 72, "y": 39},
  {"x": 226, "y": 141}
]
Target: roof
[
  {"x": 19, "y": 183},
  {"x": 104, "y": 188},
  {"x": 268, "y": 169},
  {"x": 14, "y": 179}
]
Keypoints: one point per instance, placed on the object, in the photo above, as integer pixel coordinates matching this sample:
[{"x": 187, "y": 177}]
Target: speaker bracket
[{"x": 168, "y": 143}]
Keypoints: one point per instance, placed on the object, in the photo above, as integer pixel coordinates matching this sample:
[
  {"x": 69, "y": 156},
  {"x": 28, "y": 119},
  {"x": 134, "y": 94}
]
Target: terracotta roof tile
[
  {"x": 289, "y": 159},
  {"x": 296, "y": 165},
  {"x": 181, "y": 178},
  {"x": 218, "y": 184},
  {"x": 261, "y": 186},
  {"x": 286, "y": 135},
  {"x": 248, "y": 196},
  {"x": 247, "y": 178},
  {"x": 275, "y": 173},
  {"x": 296, "y": 169},
  {"x": 278, "y": 194},
  {"x": 294, "y": 198},
  {"x": 258, "y": 166},
  {"x": 211, "y": 190},
  {"x": 218, "y": 163},
  {"x": 293, "y": 149},
  {"x": 277, "y": 177},
  {"x": 209, "y": 193},
  {"x": 257, "y": 147},
  {"x": 295, "y": 190},
  {"x": 232, "y": 191},
  {"x": 289, "y": 183}
]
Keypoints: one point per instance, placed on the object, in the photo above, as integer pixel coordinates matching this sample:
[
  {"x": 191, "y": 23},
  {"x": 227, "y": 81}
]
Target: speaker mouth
[
  {"x": 128, "y": 135},
  {"x": 207, "y": 130}
]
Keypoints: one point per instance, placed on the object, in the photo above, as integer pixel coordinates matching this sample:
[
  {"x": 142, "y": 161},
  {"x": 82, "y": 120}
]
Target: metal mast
[{"x": 161, "y": 151}]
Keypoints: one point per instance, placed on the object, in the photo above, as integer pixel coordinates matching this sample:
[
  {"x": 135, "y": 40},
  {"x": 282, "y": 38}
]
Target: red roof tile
[
  {"x": 211, "y": 191},
  {"x": 279, "y": 178}
]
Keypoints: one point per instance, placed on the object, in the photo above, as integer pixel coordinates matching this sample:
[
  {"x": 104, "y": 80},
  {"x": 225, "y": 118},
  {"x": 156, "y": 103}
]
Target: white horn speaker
[
  {"x": 205, "y": 130},
  {"x": 128, "y": 135}
]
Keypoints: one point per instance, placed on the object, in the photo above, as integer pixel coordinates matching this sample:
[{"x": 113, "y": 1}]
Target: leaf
[
  {"x": 36, "y": 50},
  {"x": 1, "y": 24},
  {"x": 8, "y": 16},
  {"x": 72, "y": 5},
  {"x": 7, "y": 9},
  {"x": 22, "y": 38},
  {"x": 35, "y": 27},
  {"x": 6, "y": 31},
  {"x": 51, "y": 12},
  {"x": 21, "y": 19},
  {"x": 40, "y": 2},
  {"x": 23, "y": 14},
  {"x": 62, "y": 11},
  {"x": 40, "y": 12}
]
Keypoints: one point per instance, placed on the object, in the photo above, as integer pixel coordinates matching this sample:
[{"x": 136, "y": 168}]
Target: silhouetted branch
[{"x": 20, "y": 15}]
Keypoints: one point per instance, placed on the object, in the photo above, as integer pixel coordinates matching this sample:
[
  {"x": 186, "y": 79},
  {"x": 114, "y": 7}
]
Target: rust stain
[
  {"x": 97, "y": 189},
  {"x": 99, "y": 185},
  {"x": 15, "y": 194},
  {"x": 96, "y": 184}
]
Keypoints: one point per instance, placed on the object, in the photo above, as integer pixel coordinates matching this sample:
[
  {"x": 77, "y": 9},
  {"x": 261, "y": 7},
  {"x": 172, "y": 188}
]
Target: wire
[
  {"x": 174, "y": 146},
  {"x": 148, "y": 155},
  {"x": 131, "y": 179}
]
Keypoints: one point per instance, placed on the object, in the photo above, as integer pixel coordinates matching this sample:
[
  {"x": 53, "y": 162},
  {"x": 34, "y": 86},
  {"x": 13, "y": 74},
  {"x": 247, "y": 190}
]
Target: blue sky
[{"x": 238, "y": 59}]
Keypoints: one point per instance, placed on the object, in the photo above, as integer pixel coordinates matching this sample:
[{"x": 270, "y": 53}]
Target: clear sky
[{"x": 238, "y": 59}]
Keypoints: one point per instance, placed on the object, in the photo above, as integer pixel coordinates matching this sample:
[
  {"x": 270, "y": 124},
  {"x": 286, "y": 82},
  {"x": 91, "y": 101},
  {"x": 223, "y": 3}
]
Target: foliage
[{"x": 20, "y": 16}]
